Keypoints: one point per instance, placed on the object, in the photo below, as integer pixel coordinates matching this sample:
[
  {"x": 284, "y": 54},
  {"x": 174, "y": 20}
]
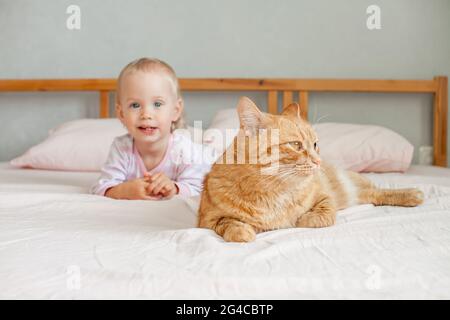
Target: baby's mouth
[{"x": 147, "y": 129}]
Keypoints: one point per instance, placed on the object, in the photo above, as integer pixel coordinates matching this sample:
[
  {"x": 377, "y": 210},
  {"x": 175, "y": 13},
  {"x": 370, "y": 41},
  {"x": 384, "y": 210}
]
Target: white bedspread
[{"x": 56, "y": 242}]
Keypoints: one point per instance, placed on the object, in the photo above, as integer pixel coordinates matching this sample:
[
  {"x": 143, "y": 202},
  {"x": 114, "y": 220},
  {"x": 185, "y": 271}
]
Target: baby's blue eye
[
  {"x": 158, "y": 104},
  {"x": 135, "y": 105}
]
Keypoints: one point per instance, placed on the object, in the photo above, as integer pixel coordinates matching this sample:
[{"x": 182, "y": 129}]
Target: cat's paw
[
  {"x": 413, "y": 197},
  {"x": 311, "y": 220},
  {"x": 239, "y": 233}
]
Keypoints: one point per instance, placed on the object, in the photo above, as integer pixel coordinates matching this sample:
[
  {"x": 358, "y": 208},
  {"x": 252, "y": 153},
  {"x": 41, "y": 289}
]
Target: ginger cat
[{"x": 287, "y": 186}]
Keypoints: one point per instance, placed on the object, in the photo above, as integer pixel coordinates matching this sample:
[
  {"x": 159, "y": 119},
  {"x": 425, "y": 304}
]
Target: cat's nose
[{"x": 316, "y": 161}]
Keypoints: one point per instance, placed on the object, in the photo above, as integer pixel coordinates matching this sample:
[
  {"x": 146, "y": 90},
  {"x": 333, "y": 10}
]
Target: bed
[{"x": 59, "y": 242}]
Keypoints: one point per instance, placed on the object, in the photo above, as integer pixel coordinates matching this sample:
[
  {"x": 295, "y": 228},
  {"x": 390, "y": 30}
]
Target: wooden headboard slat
[
  {"x": 288, "y": 98},
  {"x": 272, "y": 102},
  {"x": 104, "y": 104},
  {"x": 303, "y": 100},
  {"x": 320, "y": 85},
  {"x": 440, "y": 122},
  {"x": 58, "y": 85}
]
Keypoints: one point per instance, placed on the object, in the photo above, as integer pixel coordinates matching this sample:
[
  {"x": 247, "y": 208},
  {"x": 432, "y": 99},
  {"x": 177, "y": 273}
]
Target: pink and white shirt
[{"x": 185, "y": 162}]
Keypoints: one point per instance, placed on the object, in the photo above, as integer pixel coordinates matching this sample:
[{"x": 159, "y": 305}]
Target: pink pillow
[
  {"x": 79, "y": 145},
  {"x": 364, "y": 148}
]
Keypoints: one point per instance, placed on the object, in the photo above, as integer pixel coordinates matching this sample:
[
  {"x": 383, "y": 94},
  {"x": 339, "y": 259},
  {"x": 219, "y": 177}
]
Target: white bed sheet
[
  {"x": 31, "y": 180},
  {"x": 57, "y": 241}
]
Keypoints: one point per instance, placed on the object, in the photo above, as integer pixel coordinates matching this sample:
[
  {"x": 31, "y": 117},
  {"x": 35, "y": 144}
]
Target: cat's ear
[
  {"x": 250, "y": 117},
  {"x": 292, "y": 110}
]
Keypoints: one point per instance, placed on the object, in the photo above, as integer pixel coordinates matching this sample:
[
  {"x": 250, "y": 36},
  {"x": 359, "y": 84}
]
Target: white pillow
[
  {"x": 222, "y": 130},
  {"x": 79, "y": 145}
]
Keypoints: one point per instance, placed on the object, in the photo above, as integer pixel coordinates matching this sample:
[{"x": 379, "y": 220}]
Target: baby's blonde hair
[{"x": 152, "y": 65}]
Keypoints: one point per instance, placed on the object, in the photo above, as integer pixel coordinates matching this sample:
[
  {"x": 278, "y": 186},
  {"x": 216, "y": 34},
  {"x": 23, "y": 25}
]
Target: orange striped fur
[{"x": 288, "y": 186}]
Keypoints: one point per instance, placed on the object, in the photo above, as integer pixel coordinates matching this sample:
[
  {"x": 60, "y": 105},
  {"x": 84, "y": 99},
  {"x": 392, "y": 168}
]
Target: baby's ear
[
  {"x": 250, "y": 117},
  {"x": 179, "y": 107},
  {"x": 119, "y": 112}
]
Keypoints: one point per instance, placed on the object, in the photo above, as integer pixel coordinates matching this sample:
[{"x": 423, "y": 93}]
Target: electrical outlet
[{"x": 426, "y": 155}]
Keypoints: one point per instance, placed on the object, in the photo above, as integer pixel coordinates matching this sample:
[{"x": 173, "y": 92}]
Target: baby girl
[{"x": 151, "y": 161}]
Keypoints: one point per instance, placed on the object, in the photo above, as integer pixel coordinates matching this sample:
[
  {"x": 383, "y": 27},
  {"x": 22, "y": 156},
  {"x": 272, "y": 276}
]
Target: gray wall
[{"x": 206, "y": 38}]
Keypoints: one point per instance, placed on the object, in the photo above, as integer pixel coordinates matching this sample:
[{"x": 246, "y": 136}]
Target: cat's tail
[{"x": 410, "y": 197}]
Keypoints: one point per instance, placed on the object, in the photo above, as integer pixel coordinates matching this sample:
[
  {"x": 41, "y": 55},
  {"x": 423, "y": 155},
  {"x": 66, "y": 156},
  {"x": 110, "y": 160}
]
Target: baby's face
[{"x": 148, "y": 105}]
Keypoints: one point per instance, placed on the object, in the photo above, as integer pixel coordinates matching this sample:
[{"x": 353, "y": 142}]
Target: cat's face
[
  {"x": 298, "y": 145},
  {"x": 296, "y": 142}
]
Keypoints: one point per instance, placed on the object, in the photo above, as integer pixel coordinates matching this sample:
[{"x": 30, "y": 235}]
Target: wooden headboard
[{"x": 291, "y": 90}]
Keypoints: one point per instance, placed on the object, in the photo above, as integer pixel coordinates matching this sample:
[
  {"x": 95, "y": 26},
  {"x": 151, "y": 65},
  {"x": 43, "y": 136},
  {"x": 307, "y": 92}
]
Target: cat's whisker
[
  {"x": 282, "y": 173},
  {"x": 275, "y": 177},
  {"x": 322, "y": 117},
  {"x": 268, "y": 176},
  {"x": 275, "y": 169},
  {"x": 289, "y": 171},
  {"x": 315, "y": 116},
  {"x": 286, "y": 177}
]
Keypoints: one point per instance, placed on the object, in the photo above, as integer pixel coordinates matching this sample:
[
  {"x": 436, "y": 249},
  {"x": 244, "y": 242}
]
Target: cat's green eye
[{"x": 296, "y": 145}]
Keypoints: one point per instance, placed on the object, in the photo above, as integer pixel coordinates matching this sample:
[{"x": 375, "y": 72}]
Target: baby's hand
[
  {"x": 133, "y": 190},
  {"x": 160, "y": 185}
]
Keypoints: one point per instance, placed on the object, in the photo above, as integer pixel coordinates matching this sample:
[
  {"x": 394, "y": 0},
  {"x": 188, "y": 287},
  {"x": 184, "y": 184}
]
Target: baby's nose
[
  {"x": 147, "y": 112},
  {"x": 146, "y": 115}
]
